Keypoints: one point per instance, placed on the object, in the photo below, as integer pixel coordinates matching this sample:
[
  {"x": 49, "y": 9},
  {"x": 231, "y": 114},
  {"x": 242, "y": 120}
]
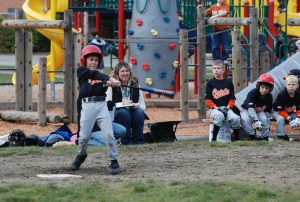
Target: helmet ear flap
[{"x": 82, "y": 60}]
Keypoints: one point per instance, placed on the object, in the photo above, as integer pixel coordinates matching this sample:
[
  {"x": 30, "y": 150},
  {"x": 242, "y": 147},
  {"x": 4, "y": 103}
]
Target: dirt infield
[{"x": 271, "y": 163}]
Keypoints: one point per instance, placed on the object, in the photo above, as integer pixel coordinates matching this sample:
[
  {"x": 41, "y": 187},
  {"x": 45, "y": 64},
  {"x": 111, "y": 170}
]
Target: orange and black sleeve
[
  {"x": 231, "y": 103},
  {"x": 283, "y": 113},
  {"x": 210, "y": 103}
]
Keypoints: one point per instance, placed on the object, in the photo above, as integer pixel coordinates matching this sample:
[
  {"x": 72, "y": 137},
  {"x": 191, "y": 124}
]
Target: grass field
[
  {"x": 111, "y": 189},
  {"x": 146, "y": 192},
  {"x": 5, "y": 76}
]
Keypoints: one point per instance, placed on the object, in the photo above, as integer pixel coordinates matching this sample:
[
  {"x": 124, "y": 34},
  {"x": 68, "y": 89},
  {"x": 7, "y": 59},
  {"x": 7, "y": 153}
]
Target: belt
[{"x": 93, "y": 99}]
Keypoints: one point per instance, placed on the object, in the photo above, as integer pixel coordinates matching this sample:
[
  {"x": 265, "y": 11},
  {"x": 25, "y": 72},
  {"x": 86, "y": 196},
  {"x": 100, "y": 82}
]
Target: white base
[{"x": 58, "y": 176}]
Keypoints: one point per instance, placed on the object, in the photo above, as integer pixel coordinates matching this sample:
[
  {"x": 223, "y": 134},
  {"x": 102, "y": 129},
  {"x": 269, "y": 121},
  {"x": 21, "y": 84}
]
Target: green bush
[
  {"x": 7, "y": 41},
  {"x": 40, "y": 42}
]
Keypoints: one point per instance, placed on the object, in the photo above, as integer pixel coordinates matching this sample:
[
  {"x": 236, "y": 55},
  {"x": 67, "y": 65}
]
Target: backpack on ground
[{"x": 161, "y": 132}]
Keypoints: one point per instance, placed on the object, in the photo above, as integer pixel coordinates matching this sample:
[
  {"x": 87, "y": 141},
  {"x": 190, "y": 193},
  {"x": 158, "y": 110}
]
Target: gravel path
[{"x": 156, "y": 114}]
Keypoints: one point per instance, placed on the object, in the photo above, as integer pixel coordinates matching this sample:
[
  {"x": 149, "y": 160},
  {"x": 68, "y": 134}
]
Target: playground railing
[
  {"x": 273, "y": 42},
  {"x": 107, "y": 5}
]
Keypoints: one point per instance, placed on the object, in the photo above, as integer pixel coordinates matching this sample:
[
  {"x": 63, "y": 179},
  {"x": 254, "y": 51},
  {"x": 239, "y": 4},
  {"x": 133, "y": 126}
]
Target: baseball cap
[{"x": 295, "y": 72}]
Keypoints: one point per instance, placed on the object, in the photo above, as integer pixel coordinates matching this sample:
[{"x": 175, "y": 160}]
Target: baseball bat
[{"x": 158, "y": 91}]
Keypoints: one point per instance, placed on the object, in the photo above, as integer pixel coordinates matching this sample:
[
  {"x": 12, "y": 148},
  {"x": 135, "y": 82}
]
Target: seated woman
[{"x": 131, "y": 105}]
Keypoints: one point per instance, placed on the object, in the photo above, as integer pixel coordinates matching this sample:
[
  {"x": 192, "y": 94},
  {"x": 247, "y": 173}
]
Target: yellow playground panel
[
  {"x": 34, "y": 11},
  {"x": 278, "y": 17},
  {"x": 292, "y": 13}
]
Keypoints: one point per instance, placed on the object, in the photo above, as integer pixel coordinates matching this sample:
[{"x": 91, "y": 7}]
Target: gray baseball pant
[
  {"x": 218, "y": 118},
  {"x": 96, "y": 112},
  {"x": 248, "y": 118},
  {"x": 280, "y": 123}
]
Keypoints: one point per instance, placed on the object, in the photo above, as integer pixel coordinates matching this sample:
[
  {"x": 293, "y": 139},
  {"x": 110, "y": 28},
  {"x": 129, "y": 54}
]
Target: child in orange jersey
[
  {"x": 287, "y": 107},
  {"x": 219, "y": 96},
  {"x": 220, "y": 9}
]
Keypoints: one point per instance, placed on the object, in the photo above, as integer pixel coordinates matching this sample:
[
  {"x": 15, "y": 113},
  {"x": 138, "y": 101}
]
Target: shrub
[
  {"x": 40, "y": 42},
  {"x": 7, "y": 41}
]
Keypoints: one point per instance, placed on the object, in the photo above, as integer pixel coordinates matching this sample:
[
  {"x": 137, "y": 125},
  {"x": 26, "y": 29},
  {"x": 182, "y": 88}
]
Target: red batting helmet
[
  {"x": 90, "y": 49},
  {"x": 266, "y": 79}
]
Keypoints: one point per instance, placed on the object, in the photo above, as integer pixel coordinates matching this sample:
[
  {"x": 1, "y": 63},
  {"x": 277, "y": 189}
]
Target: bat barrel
[
  {"x": 158, "y": 91},
  {"x": 168, "y": 93}
]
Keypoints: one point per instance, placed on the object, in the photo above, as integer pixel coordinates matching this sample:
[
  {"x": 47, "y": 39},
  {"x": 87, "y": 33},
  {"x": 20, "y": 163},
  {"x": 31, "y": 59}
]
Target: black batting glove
[
  {"x": 110, "y": 105},
  {"x": 224, "y": 111}
]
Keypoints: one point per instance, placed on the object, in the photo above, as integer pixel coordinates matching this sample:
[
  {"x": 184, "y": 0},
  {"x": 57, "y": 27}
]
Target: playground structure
[
  {"x": 199, "y": 52},
  {"x": 292, "y": 11},
  {"x": 122, "y": 10},
  {"x": 153, "y": 46},
  {"x": 114, "y": 8},
  {"x": 32, "y": 10},
  {"x": 23, "y": 66}
]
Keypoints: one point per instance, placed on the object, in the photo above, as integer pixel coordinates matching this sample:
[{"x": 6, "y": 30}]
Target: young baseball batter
[
  {"x": 94, "y": 108},
  {"x": 257, "y": 108},
  {"x": 219, "y": 97},
  {"x": 287, "y": 107}
]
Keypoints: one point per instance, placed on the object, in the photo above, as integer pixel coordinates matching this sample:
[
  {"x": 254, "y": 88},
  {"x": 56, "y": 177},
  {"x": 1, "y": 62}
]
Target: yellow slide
[
  {"x": 280, "y": 18},
  {"x": 33, "y": 10},
  {"x": 292, "y": 13}
]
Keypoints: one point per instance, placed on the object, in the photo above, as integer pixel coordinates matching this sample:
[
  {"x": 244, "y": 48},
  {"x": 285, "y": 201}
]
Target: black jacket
[
  {"x": 255, "y": 99},
  {"x": 91, "y": 82}
]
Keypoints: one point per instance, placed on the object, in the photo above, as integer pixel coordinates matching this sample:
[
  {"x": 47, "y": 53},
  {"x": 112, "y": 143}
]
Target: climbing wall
[{"x": 154, "y": 42}]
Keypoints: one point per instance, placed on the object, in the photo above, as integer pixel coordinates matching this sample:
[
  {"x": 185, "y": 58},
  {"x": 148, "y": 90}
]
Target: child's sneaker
[
  {"x": 262, "y": 138},
  {"x": 114, "y": 167},
  {"x": 77, "y": 162},
  {"x": 284, "y": 137}
]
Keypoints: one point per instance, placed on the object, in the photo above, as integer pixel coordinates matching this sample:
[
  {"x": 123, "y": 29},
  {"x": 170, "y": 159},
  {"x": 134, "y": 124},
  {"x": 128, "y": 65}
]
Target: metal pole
[
  {"x": 52, "y": 91},
  {"x": 121, "y": 30},
  {"x": 271, "y": 18},
  {"x": 246, "y": 14},
  {"x": 98, "y": 18},
  {"x": 195, "y": 71},
  {"x": 86, "y": 27}
]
